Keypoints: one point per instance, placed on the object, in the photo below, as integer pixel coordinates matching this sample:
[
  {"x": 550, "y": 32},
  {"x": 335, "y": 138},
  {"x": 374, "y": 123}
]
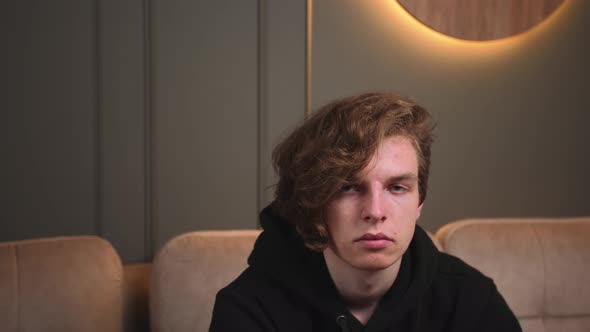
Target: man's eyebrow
[
  {"x": 395, "y": 178},
  {"x": 403, "y": 177}
]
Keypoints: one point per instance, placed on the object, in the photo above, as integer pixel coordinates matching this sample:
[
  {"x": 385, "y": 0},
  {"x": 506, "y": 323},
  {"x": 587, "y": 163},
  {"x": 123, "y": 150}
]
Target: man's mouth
[
  {"x": 374, "y": 237},
  {"x": 373, "y": 241}
]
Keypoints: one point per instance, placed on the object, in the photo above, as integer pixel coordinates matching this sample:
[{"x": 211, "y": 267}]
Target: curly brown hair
[{"x": 335, "y": 144}]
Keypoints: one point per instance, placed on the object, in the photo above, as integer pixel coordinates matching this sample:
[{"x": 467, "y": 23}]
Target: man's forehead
[{"x": 395, "y": 156}]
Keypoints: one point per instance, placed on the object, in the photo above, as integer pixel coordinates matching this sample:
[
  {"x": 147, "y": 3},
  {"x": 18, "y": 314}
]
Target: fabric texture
[
  {"x": 539, "y": 264},
  {"x": 8, "y": 288},
  {"x": 287, "y": 287},
  {"x": 60, "y": 284},
  {"x": 187, "y": 273}
]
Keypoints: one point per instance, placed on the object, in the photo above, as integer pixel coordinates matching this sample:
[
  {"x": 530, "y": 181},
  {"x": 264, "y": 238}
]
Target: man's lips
[
  {"x": 374, "y": 241},
  {"x": 373, "y": 237}
]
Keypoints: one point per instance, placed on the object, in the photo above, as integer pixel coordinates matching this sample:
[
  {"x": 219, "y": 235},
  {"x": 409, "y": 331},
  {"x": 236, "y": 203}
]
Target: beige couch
[
  {"x": 541, "y": 266},
  {"x": 188, "y": 272},
  {"x": 67, "y": 284}
]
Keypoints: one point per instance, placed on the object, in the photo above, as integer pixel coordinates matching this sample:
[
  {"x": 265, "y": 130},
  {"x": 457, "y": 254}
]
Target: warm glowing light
[
  {"x": 480, "y": 20},
  {"x": 418, "y": 33}
]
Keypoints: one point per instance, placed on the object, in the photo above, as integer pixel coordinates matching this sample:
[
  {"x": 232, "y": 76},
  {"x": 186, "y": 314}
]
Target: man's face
[{"x": 372, "y": 222}]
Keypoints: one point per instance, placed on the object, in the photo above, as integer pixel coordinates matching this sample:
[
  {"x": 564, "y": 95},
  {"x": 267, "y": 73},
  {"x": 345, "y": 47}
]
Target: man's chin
[{"x": 375, "y": 265}]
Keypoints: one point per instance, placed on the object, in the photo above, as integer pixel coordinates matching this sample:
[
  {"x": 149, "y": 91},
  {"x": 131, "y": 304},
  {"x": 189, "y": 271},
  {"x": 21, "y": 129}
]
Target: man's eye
[
  {"x": 396, "y": 188},
  {"x": 348, "y": 188}
]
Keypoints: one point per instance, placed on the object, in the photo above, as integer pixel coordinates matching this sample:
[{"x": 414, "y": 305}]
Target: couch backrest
[
  {"x": 189, "y": 271},
  {"x": 60, "y": 284},
  {"x": 540, "y": 266}
]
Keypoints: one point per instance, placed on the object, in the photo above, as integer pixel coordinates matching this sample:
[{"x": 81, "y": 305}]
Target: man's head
[{"x": 331, "y": 148}]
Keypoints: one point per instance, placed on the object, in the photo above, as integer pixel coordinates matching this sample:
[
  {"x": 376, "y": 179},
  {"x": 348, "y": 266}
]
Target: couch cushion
[
  {"x": 60, "y": 284},
  {"x": 189, "y": 271},
  {"x": 539, "y": 265}
]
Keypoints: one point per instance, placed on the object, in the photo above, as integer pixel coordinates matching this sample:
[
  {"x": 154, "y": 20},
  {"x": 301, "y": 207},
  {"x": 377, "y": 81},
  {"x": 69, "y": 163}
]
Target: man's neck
[{"x": 361, "y": 290}]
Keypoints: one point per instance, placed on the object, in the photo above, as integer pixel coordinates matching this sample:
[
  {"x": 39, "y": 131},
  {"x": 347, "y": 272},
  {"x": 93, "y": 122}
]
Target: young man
[{"x": 341, "y": 250}]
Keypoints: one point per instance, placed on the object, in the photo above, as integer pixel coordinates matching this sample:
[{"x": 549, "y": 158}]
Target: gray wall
[
  {"x": 513, "y": 114},
  {"x": 52, "y": 131},
  {"x": 142, "y": 119},
  {"x": 204, "y": 92}
]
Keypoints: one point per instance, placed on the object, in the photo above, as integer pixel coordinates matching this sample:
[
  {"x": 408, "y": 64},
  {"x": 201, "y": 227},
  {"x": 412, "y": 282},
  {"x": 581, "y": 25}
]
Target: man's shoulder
[
  {"x": 256, "y": 295},
  {"x": 252, "y": 286},
  {"x": 459, "y": 278},
  {"x": 249, "y": 283},
  {"x": 244, "y": 304},
  {"x": 454, "y": 268},
  {"x": 473, "y": 296}
]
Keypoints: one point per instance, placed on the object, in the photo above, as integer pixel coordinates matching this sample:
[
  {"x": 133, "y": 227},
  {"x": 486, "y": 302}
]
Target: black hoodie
[{"x": 287, "y": 287}]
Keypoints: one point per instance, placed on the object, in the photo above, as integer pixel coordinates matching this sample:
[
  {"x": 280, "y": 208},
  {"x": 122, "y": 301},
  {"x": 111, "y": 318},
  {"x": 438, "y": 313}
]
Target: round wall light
[{"x": 480, "y": 19}]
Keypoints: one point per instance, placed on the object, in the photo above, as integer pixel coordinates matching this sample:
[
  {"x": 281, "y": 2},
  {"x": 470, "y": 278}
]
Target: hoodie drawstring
[{"x": 343, "y": 323}]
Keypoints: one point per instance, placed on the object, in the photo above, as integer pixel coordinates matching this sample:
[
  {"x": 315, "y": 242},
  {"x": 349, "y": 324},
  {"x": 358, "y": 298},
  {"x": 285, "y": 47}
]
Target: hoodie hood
[{"x": 279, "y": 252}]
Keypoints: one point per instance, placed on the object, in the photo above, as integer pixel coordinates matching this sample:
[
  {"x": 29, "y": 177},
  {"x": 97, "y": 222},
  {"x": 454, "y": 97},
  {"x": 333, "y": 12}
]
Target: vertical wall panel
[
  {"x": 121, "y": 63},
  {"x": 55, "y": 130},
  {"x": 107, "y": 120},
  {"x": 10, "y": 105},
  {"x": 283, "y": 81},
  {"x": 204, "y": 57}
]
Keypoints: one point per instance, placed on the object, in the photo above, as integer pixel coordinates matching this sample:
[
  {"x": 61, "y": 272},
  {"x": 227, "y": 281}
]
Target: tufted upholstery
[
  {"x": 189, "y": 271},
  {"x": 60, "y": 284},
  {"x": 541, "y": 266}
]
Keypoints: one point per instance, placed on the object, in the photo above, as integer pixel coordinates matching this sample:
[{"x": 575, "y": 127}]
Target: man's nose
[{"x": 374, "y": 209}]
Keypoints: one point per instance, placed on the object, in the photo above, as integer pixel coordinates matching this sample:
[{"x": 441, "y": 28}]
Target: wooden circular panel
[{"x": 480, "y": 19}]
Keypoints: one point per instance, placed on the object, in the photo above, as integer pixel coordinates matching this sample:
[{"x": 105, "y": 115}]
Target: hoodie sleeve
[
  {"x": 496, "y": 315},
  {"x": 233, "y": 312}
]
